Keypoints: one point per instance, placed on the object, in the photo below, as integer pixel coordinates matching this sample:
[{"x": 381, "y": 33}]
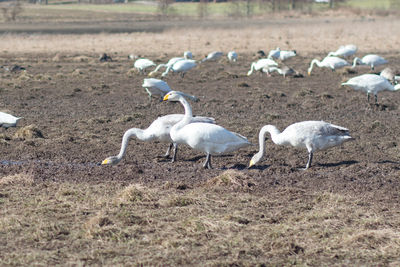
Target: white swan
[
  {"x": 212, "y": 56},
  {"x": 283, "y": 55},
  {"x": 209, "y": 138},
  {"x": 159, "y": 130},
  {"x": 232, "y": 56},
  {"x": 371, "y": 60},
  {"x": 261, "y": 64},
  {"x": 344, "y": 51},
  {"x": 142, "y": 64},
  {"x": 8, "y": 120},
  {"x": 371, "y": 83},
  {"x": 159, "y": 87},
  {"x": 172, "y": 61},
  {"x": 329, "y": 62},
  {"x": 181, "y": 66},
  {"x": 313, "y": 135},
  {"x": 274, "y": 53}
]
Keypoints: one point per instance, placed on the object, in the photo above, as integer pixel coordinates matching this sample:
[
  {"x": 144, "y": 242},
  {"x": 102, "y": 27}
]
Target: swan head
[
  {"x": 255, "y": 159},
  {"x": 110, "y": 161},
  {"x": 173, "y": 96}
]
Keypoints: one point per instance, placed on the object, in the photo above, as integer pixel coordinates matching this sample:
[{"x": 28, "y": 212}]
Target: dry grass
[{"x": 308, "y": 36}]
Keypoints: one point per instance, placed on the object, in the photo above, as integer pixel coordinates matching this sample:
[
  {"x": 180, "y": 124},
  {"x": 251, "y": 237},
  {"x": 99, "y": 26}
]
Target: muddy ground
[{"x": 82, "y": 107}]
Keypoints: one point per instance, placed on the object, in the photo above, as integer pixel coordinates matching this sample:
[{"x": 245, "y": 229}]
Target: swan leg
[
  {"x": 175, "y": 150},
  {"x": 168, "y": 150},
  {"x": 368, "y": 97},
  {"x": 376, "y": 99},
  {"x": 207, "y": 163},
  {"x": 310, "y": 157}
]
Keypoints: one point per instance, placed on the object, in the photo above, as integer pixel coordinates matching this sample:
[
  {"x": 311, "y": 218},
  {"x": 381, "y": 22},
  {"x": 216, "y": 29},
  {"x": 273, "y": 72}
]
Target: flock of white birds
[{"x": 204, "y": 135}]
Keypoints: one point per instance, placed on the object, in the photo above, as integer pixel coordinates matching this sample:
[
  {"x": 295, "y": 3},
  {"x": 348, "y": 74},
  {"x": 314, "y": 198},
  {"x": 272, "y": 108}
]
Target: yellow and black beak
[
  {"x": 251, "y": 163},
  {"x": 166, "y": 97},
  {"x": 104, "y": 162}
]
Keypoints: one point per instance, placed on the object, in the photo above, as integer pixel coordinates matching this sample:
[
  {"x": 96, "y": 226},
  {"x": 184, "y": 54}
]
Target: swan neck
[
  {"x": 356, "y": 60},
  {"x": 139, "y": 133}
]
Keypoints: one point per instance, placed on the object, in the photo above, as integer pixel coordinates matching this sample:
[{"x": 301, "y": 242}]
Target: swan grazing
[
  {"x": 232, "y": 56},
  {"x": 284, "y": 71},
  {"x": 159, "y": 130},
  {"x": 329, "y": 62},
  {"x": 313, "y": 135},
  {"x": 371, "y": 60},
  {"x": 209, "y": 138},
  {"x": 371, "y": 83},
  {"x": 212, "y": 56},
  {"x": 159, "y": 87},
  {"x": 172, "y": 61},
  {"x": 344, "y": 51},
  {"x": 182, "y": 66},
  {"x": 8, "y": 120},
  {"x": 281, "y": 54},
  {"x": 261, "y": 64},
  {"x": 142, "y": 64}
]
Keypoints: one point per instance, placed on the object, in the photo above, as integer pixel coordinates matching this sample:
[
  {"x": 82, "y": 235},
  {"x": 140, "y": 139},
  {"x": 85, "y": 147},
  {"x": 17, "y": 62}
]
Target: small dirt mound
[
  {"x": 232, "y": 179},
  {"x": 17, "y": 179},
  {"x": 28, "y": 132},
  {"x": 134, "y": 194}
]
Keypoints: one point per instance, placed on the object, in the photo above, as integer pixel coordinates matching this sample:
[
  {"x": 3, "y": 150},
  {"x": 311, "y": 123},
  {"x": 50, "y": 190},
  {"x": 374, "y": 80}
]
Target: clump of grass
[
  {"x": 28, "y": 132},
  {"x": 134, "y": 194},
  {"x": 77, "y": 72},
  {"x": 17, "y": 179},
  {"x": 179, "y": 201},
  {"x": 81, "y": 59},
  {"x": 232, "y": 179}
]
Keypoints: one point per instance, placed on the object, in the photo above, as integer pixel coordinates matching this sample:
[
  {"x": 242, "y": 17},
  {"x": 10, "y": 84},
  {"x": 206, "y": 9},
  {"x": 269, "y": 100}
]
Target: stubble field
[{"x": 59, "y": 206}]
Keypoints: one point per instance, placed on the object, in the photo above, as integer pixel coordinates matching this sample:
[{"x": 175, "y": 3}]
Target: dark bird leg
[
  {"x": 207, "y": 163},
  {"x": 368, "y": 97},
  {"x": 168, "y": 150},
  {"x": 175, "y": 151},
  {"x": 376, "y": 99},
  {"x": 310, "y": 156}
]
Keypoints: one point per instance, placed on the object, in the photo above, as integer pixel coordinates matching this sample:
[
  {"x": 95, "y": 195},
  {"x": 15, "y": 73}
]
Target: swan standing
[
  {"x": 142, "y": 64},
  {"x": 232, "y": 56},
  {"x": 344, "y": 51},
  {"x": 312, "y": 135},
  {"x": 329, "y": 62},
  {"x": 371, "y": 83},
  {"x": 209, "y": 138},
  {"x": 182, "y": 66},
  {"x": 8, "y": 120},
  {"x": 159, "y": 130},
  {"x": 159, "y": 87},
  {"x": 261, "y": 64},
  {"x": 371, "y": 60}
]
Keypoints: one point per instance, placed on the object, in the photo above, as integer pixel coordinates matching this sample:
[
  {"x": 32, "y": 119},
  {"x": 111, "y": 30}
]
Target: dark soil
[{"x": 83, "y": 108}]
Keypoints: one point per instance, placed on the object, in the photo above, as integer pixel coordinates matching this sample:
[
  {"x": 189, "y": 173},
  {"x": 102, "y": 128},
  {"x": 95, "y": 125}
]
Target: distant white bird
[
  {"x": 232, "y": 56},
  {"x": 281, "y": 54},
  {"x": 172, "y": 61},
  {"x": 181, "y": 66},
  {"x": 213, "y": 56},
  {"x": 344, "y": 51},
  {"x": 159, "y": 130},
  {"x": 260, "y": 64},
  {"x": 8, "y": 120},
  {"x": 159, "y": 87},
  {"x": 209, "y": 138},
  {"x": 329, "y": 62},
  {"x": 371, "y": 83},
  {"x": 142, "y": 64},
  {"x": 313, "y": 135},
  {"x": 371, "y": 60}
]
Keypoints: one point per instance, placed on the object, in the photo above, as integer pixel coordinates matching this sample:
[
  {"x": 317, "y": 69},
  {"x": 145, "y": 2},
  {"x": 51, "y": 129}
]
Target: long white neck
[
  {"x": 251, "y": 69},
  {"x": 261, "y": 140},
  {"x": 356, "y": 60},
  {"x": 188, "y": 115},
  {"x": 158, "y": 67},
  {"x": 314, "y": 61},
  {"x": 167, "y": 70},
  {"x": 139, "y": 133}
]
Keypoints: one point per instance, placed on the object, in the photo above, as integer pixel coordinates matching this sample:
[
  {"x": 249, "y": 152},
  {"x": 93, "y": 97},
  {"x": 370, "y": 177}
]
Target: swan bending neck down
[
  {"x": 313, "y": 135},
  {"x": 209, "y": 138},
  {"x": 158, "y": 130}
]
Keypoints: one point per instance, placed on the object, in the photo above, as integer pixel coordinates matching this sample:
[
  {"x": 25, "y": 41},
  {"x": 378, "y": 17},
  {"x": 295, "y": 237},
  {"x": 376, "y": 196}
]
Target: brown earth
[{"x": 82, "y": 108}]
